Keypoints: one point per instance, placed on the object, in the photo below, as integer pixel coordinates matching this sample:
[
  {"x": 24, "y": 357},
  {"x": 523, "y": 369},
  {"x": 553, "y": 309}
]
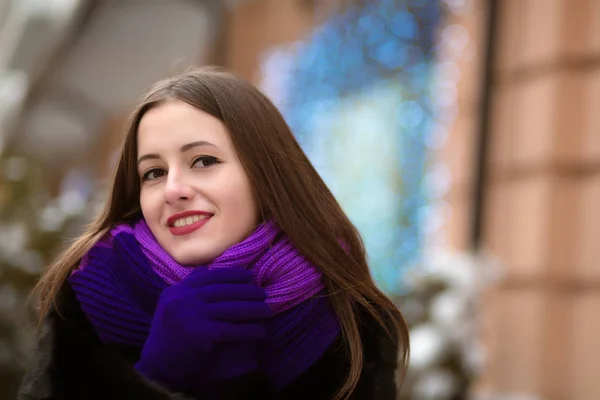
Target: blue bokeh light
[{"x": 378, "y": 60}]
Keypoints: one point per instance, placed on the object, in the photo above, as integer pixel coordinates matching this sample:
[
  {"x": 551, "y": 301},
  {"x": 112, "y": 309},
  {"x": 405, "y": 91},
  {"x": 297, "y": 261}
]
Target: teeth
[{"x": 188, "y": 220}]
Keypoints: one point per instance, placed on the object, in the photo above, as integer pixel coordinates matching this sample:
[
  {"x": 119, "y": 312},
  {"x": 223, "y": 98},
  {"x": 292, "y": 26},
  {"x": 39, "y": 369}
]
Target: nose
[{"x": 177, "y": 189}]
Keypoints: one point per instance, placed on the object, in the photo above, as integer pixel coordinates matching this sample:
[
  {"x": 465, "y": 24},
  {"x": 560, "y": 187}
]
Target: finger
[
  {"x": 231, "y": 332},
  {"x": 203, "y": 276},
  {"x": 239, "y": 311},
  {"x": 232, "y": 292}
]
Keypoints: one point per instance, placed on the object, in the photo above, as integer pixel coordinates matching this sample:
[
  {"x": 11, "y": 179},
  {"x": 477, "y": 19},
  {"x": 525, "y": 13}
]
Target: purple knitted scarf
[{"x": 120, "y": 279}]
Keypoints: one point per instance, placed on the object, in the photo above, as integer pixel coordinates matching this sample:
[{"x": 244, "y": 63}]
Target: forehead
[{"x": 176, "y": 123}]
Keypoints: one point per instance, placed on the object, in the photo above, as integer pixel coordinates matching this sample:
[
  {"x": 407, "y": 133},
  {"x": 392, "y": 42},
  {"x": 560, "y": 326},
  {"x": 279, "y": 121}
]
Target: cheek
[
  {"x": 240, "y": 199},
  {"x": 150, "y": 207}
]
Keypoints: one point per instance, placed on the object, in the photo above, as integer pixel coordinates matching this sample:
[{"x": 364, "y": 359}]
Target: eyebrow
[{"x": 183, "y": 149}]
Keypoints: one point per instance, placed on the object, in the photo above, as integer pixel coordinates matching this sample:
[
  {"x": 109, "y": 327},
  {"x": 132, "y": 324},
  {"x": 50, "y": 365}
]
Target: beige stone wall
[
  {"x": 255, "y": 26},
  {"x": 542, "y": 215},
  {"x": 458, "y": 152}
]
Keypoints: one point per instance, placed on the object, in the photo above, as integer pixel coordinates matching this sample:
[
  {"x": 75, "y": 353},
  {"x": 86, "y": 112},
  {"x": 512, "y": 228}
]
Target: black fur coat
[{"x": 72, "y": 363}]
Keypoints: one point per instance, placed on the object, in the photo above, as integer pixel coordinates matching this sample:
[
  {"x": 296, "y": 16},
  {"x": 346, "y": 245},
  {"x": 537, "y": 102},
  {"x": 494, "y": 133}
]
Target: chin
[{"x": 195, "y": 258}]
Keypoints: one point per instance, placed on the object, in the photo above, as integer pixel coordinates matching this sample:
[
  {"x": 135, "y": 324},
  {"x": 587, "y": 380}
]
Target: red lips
[{"x": 187, "y": 229}]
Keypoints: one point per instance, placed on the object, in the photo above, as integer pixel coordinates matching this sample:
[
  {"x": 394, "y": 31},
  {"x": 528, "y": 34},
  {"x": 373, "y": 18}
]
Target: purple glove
[{"x": 195, "y": 323}]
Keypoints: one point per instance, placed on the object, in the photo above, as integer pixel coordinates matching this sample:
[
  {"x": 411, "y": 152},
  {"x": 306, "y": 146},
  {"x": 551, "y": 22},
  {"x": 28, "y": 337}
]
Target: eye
[
  {"x": 204, "y": 161},
  {"x": 152, "y": 174}
]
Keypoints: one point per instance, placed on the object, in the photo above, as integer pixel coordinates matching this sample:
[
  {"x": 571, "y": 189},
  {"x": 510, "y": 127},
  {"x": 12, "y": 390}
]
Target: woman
[{"x": 221, "y": 267}]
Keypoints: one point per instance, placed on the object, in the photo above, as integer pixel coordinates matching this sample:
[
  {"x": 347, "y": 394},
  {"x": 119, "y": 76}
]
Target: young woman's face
[{"x": 195, "y": 195}]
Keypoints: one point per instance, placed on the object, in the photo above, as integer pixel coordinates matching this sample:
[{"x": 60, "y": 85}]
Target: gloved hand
[{"x": 205, "y": 314}]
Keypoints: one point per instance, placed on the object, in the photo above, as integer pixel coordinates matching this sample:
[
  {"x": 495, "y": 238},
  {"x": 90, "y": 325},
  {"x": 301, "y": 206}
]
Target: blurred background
[{"x": 459, "y": 135}]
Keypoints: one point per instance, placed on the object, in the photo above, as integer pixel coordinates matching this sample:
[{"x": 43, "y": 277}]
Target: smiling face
[{"x": 194, "y": 192}]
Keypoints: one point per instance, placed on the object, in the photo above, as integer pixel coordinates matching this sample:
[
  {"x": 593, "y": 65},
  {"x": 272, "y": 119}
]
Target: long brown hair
[{"x": 287, "y": 188}]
